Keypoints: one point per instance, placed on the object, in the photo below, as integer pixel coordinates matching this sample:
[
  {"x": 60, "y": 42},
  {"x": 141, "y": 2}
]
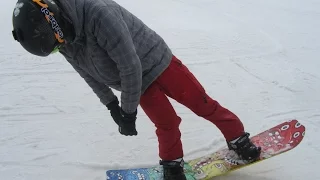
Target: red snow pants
[{"x": 178, "y": 83}]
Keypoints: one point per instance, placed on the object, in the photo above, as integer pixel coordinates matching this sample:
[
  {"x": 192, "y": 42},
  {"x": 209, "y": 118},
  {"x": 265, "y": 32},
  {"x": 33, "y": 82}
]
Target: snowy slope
[{"x": 258, "y": 58}]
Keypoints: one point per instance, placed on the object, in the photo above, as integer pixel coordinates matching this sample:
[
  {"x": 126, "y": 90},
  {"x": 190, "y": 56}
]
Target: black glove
[
  {"x": 114, "y": 109},
  {"x": 127, "y": 124},
  {"x": 125, "y": 121}
]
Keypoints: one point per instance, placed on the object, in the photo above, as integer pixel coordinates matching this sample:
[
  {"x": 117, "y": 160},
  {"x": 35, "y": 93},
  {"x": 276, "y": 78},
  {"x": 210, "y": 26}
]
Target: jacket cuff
[
  {"x": 129, "y": 109},
  {"x": 107, "y": 96}
]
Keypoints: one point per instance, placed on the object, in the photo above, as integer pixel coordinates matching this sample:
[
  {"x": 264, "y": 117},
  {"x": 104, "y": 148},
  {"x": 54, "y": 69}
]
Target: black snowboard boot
[
  {"x": 245, "y": 149},
  {"x": 173, "y": 170}
]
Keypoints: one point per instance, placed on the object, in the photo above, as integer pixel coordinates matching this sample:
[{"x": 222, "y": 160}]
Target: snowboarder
[{"x": 111, "y": 48}]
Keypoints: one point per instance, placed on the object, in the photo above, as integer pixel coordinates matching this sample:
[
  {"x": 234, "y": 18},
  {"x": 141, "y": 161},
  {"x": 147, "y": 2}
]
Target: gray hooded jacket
[{"x": 114, "y": 49}]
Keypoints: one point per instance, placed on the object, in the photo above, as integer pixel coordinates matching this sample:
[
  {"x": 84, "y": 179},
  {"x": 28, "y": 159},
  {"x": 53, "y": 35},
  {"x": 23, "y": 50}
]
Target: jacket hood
[{"x": 73, "y": 10}]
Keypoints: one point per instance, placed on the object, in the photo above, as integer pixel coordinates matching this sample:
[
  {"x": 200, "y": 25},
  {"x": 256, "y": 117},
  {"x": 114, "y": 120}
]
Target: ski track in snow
[{"x": 258, "y": 58}]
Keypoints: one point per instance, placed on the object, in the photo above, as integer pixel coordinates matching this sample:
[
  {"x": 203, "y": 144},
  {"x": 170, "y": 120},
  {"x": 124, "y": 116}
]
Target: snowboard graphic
[{"x": 274, "y": 141}]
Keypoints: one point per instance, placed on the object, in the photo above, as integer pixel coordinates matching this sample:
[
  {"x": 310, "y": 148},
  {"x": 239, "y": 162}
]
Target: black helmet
[{"x": 36, "y": 26}]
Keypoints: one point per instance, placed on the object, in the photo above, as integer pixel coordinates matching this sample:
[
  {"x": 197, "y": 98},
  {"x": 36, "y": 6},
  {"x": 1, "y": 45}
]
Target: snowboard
[{"x": 273, "y": 141}]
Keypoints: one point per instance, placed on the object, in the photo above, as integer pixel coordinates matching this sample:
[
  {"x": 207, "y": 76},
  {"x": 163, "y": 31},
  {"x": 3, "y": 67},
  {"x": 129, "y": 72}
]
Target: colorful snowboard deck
[{"x": 274, "y": 141}]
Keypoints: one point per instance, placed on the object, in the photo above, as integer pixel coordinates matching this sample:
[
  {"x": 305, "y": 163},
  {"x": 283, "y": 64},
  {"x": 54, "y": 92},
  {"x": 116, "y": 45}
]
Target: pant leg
[
  {"x": 180, "y": 84},
  {"x": 159, "y": 109}
]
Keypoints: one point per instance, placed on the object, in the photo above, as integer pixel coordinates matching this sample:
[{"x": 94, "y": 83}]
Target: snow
[{"x": 258, "y": 58}]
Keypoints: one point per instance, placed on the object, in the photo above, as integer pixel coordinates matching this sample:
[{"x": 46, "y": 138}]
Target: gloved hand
[
  {"x": 127, "y": 124},
  {"x": 125, "y": 121}
]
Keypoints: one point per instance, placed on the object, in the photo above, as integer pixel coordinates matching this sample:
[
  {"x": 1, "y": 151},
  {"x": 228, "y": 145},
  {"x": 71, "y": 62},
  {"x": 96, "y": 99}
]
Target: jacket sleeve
[
  {"x": 113, "y": 36},
  {"x": 103, "y": 92}
]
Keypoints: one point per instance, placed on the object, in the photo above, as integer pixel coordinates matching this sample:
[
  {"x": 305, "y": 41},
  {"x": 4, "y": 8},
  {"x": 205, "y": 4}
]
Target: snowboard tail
[{"x": 273, "y": 141}]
